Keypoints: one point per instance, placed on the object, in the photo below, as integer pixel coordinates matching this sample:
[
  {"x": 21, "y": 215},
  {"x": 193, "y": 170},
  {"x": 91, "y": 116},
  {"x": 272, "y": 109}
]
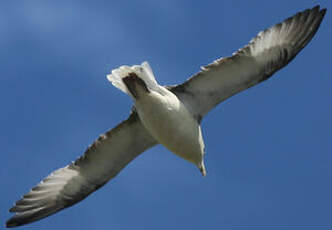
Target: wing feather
[
  {"x": 102, "y": 161},
  {"x": 269, "y": 51}
]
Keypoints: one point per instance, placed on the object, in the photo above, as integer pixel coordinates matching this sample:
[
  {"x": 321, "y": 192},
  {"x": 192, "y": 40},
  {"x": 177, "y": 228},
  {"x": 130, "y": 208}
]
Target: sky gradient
[{"x": 269, "y": 149}]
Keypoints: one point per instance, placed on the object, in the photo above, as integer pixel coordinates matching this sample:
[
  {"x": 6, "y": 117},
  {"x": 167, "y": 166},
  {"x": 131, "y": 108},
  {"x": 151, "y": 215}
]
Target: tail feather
[{"x": 143, "y": 71}]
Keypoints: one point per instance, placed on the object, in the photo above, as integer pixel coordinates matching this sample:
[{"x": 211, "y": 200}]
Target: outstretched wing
[
  {"x": 268, "y": 52},
  {"x": 102, "y": 161}
]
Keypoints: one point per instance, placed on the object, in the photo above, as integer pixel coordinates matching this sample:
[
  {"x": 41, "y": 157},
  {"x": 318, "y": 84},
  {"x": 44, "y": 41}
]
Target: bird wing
[
  {"x": 268, "y": 52},
  {"x": 102, "y": 161}
]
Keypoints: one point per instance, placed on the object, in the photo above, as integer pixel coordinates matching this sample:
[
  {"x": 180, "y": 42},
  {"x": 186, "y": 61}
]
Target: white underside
[
  {"x": 170, "y": 123},
  {"x": 164, "y": 115}
]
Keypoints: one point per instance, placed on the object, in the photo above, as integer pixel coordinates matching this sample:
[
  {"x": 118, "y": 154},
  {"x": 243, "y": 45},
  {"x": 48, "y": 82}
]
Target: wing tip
[
  {"x": 12, "y": 209},
  {"x": 16, "y": 221},
  {"x": 11, "y": 223},
  {"x": 323, "y": 12},
  {"x": 317, "y": 9}
]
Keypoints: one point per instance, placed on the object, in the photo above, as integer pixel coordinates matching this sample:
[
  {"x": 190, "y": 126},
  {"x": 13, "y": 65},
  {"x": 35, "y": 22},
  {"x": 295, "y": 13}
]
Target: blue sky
[{"x": 268, "y": 149}]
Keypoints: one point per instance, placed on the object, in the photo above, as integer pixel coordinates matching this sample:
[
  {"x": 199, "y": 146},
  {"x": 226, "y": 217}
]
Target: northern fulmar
[{"x": 167, "y": 115}]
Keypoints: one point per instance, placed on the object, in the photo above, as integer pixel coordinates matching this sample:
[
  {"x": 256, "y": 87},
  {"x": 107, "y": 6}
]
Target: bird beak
[{"x": 201, "y": 168}]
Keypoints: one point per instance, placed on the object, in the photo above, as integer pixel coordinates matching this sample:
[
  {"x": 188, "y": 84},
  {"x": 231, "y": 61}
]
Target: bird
[{"x": 167, "y": 115}]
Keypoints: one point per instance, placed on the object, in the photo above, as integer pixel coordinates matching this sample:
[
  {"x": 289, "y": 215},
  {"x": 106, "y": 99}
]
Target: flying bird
[{"x": 167, "y": 115}]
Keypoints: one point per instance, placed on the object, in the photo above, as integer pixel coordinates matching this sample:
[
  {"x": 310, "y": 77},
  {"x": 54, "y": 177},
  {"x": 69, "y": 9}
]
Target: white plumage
[{"x": 144, "y": 70}]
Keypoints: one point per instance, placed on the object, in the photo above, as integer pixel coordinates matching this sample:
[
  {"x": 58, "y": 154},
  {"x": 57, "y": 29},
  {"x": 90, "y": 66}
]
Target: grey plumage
[
  {"x": 101, "y": 161},
  {"x": 268, "y": 52}
]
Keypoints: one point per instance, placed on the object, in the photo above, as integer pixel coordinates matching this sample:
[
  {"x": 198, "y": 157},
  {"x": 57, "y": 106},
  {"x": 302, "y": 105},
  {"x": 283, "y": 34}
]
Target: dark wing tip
[
  {"x": 317, "y": 7},
  {"x": 12, "y": 209},
  {"x": 11, "y": 223},
  {"x": 31, "y": 216},
  {"x": 322, "y": 11},
  {"x": 43, "y": 200}
]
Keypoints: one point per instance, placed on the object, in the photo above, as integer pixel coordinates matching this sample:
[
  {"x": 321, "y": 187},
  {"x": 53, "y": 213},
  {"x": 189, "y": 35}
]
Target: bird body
[{"x": 165, "y": 117}]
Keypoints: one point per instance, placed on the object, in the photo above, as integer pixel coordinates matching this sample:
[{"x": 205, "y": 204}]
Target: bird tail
[{"x": 143, "y": 71}]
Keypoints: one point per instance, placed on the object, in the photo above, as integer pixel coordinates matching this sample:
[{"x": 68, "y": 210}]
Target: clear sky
[{"x": 269, "y": 149}]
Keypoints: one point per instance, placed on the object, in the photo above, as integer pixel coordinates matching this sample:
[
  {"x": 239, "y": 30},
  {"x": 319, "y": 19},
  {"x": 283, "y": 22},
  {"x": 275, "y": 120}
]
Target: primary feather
[
  {"x": 268, "y": 52},
  {"x": 102, "y": 161}
]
